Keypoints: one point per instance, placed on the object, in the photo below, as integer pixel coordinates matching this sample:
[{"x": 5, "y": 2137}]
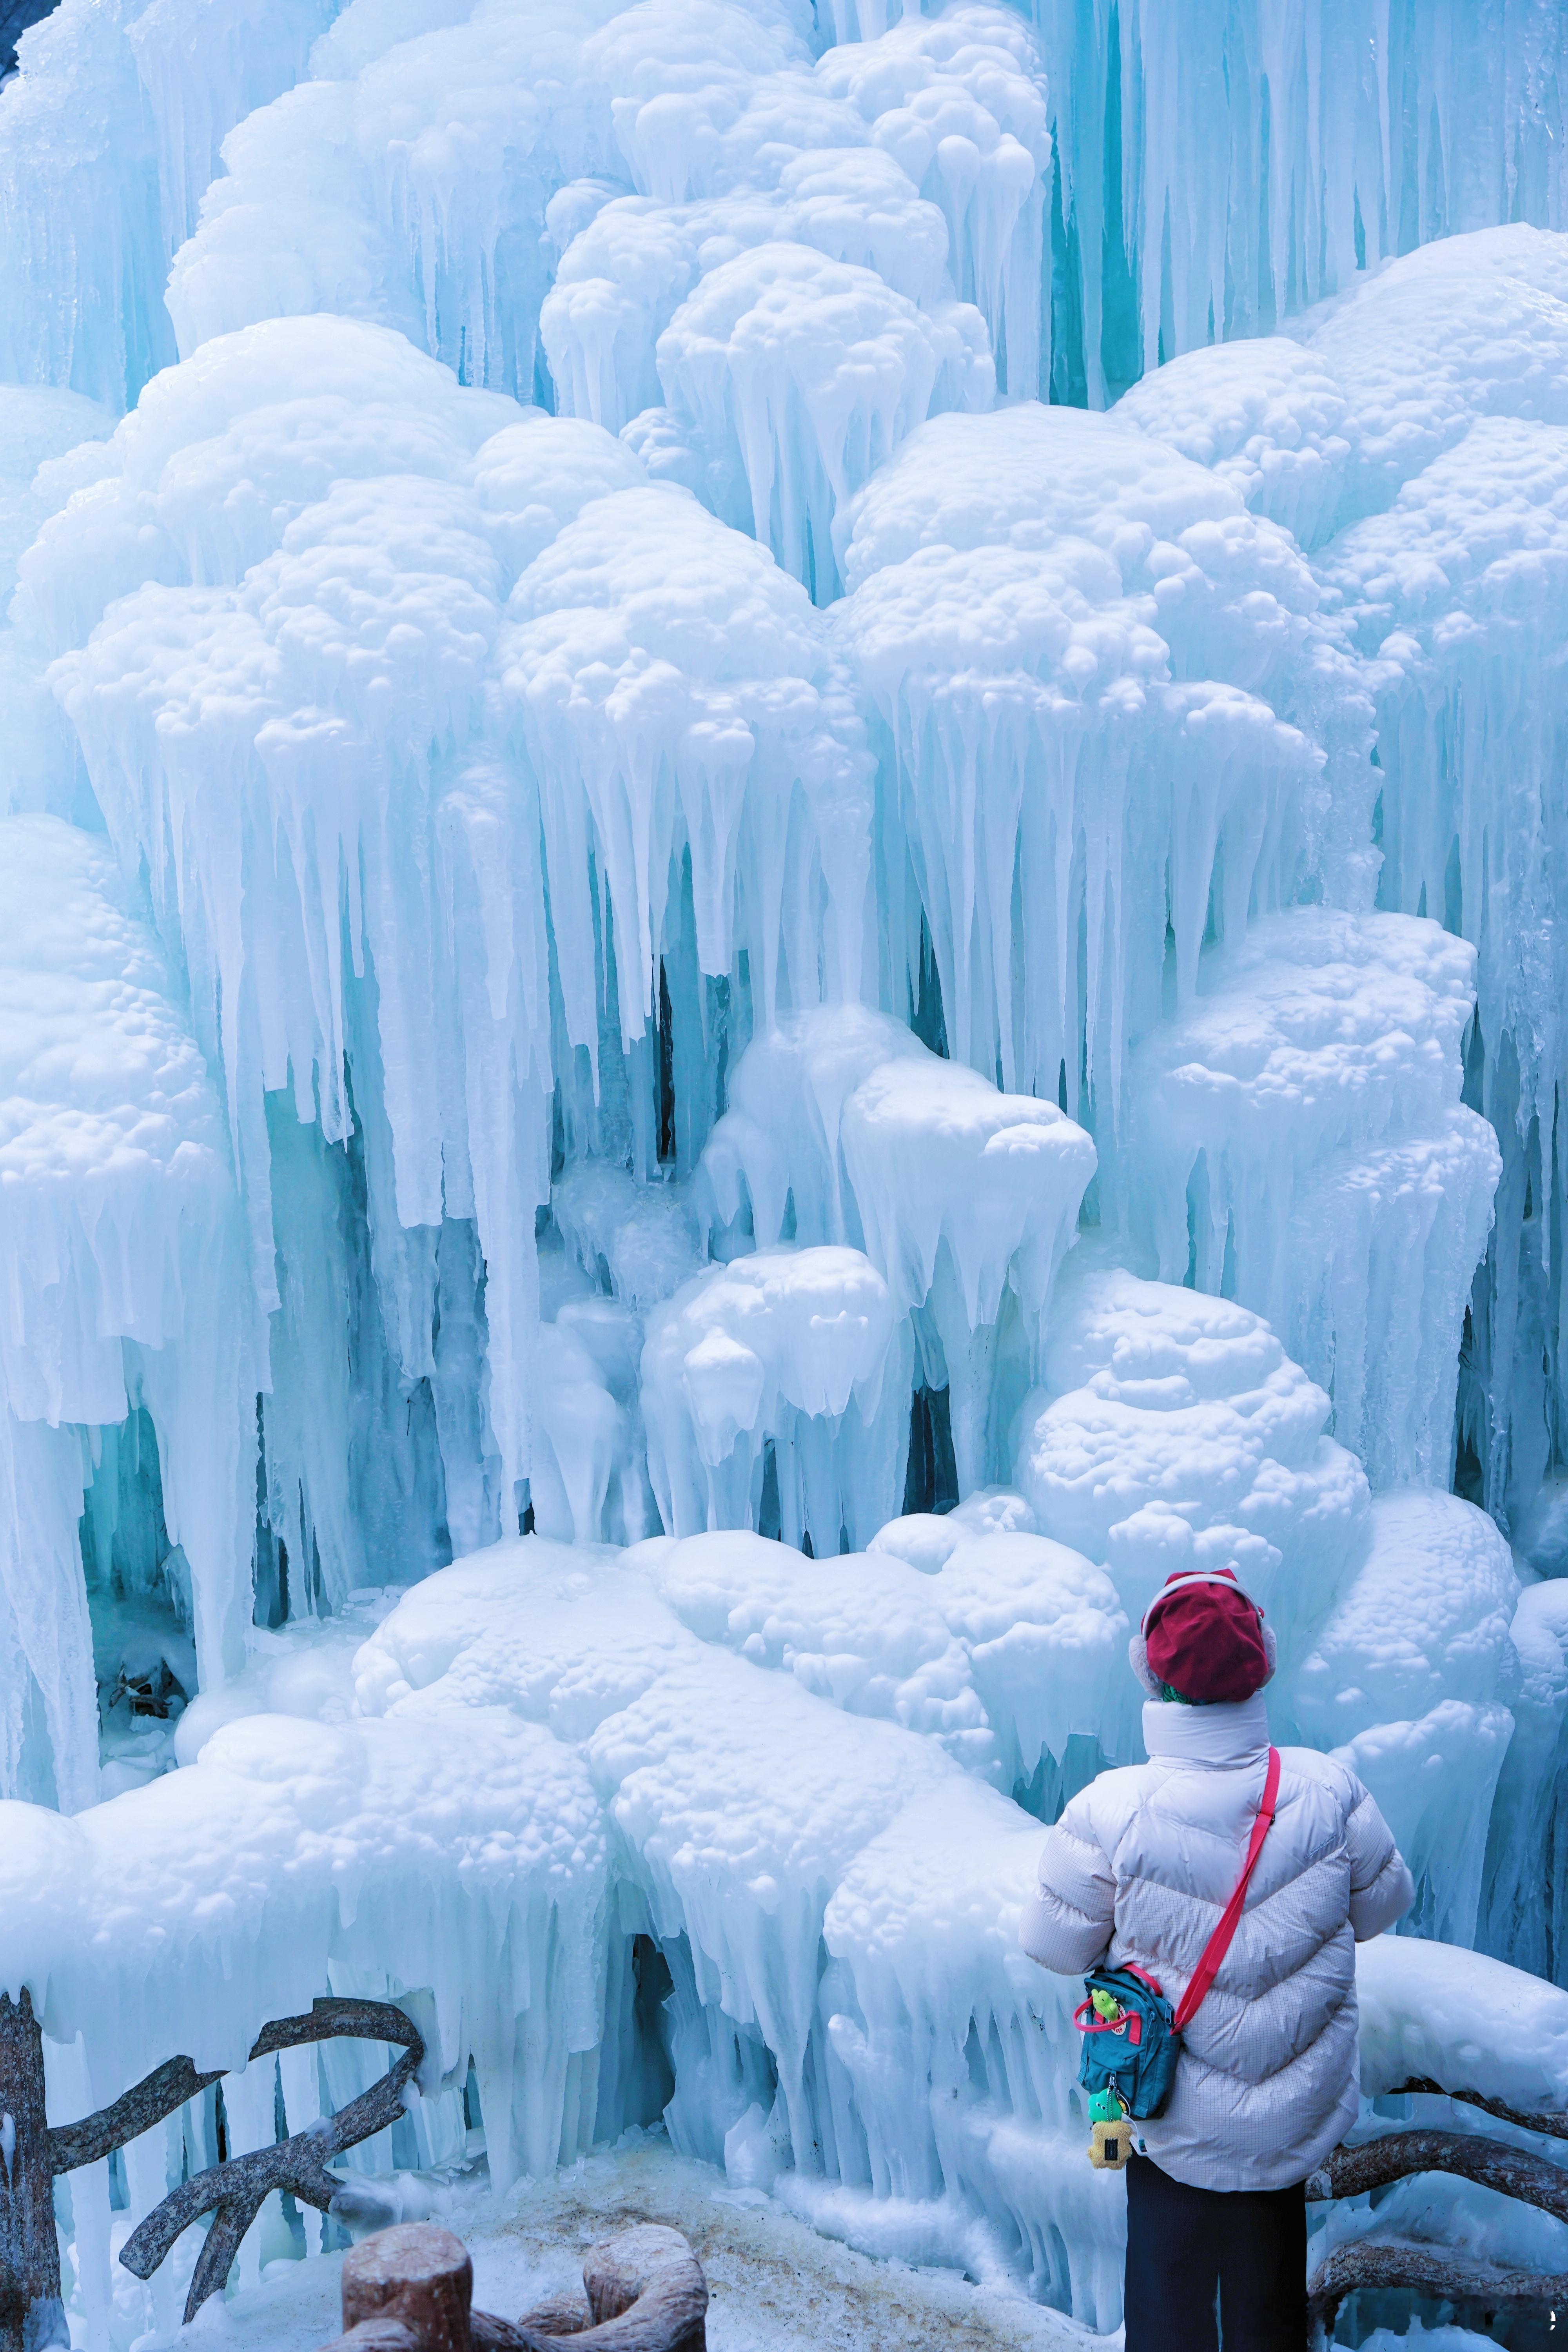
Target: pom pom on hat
[{"x": 1202, "y": 1635}]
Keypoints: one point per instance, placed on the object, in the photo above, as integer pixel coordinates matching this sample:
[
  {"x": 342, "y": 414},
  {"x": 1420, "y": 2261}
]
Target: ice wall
[
  {"x": 121, "y": 1271},
  {"x": 498, "y": 778},
  {"x": 1174, "y": 175},
  {"x": 652, "y": 900}
]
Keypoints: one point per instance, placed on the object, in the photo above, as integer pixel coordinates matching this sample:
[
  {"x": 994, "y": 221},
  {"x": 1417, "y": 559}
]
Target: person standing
[{"x": 1137, "y": 1872}]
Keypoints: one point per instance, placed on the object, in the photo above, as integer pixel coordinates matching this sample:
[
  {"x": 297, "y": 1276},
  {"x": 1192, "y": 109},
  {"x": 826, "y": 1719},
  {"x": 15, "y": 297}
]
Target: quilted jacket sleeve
[
  {"x": 1066, "y": 1922},
  {"x": 1381, "y": 1889}
]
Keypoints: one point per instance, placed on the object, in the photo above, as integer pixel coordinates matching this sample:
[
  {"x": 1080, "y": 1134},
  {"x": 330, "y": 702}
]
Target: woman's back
[{"x": 1150, "y": 1854}]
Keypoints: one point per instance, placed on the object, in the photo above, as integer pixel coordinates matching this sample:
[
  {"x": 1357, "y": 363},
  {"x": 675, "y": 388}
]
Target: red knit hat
[{"x": 1203, "y": 1636}]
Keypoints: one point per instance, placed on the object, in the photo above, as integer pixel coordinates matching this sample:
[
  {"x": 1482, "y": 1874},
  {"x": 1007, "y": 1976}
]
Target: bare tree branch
[
  {"x": 1554, "y": 2126},
  {"x": 1351, "y": 2171},
  {"x": 235, "y": 2190},
  {"x": 1383, "y": 2263},
  {"x": 156, "y": 2096}
]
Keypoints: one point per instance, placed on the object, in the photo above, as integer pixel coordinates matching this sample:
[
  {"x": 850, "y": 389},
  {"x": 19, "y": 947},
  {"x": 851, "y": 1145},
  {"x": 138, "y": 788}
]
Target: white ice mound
[
  {"x": 677, "y": 77},
  {"x": 1465, "y": 328},
  {"x": 1298, "y": 1135},
  {"x": 1409, "y": 1680},
  {"x": 1001, "y": 1655},
  {"x": 865, "y": 1631},
  {"x": 836, "y": 1899},
  {"x": 537, "y": 477},
  {"x": 1085, "y": 657},
  {"x": 121, "y": 1270},
  {"x": 37, "y": 428},
  {"x": 811, "y": 371},
  {"x": 221, "y": 455},
  {"x": 1265, "y": 414},
  {"x": 471, "y": 1847},
  {"x": 1046, "y": 1640},
  {"x": 842, "y": 1127},
  {"x": 960, "y": 100},
  {"x": 629, "y": 268},
  {"x": 1174, "y": 1430},
  {"x": 1434, "y": 2012},
  {"x": 796, "y": 1356},
  {"x": 674, "y": 689}
]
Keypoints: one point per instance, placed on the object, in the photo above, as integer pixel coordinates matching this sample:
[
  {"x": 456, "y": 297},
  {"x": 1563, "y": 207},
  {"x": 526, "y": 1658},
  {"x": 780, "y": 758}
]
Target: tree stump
[
  {"x": 409, "y": 2289},
  {"x": 417, "y": 2277}
]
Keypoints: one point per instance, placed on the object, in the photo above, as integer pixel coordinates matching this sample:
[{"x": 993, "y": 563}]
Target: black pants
[{"x": 1184, "y": 2244}]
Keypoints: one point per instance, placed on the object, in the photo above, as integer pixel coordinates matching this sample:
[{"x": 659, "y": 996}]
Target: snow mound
[
  {"x": 793, "y": 1355},
  {"x": 1462, "y": 328},
  {"x": 1086, "y": 657},
  {"x": 1267, "y": 415},
  {"x": 1300, "y": 1135},
  {"x": 1001, "y": 1655},
  {"x": 1173, "y": 1431},
  {"x": 1409, "y": 1681},
  {"x": 842, "y": 1124},
  {"x": 1435, "y": 2010}
]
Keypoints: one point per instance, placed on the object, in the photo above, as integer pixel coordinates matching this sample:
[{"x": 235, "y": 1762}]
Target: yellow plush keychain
[{"x": 1109, "y": 2140}]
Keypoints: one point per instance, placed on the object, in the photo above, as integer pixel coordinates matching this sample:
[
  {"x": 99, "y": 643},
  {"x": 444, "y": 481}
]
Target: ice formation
[
  {"x": 723, "y": 1001},
  {"x": 1424, "y": 1711},
  {"x": 1300, "y": 1135},
  {"x": 843, "y": 1128},
  {"x": 123, "y": 1274}
]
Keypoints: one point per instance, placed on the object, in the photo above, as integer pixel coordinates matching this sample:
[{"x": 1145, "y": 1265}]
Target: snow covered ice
[{"x": 780, "y": 853}]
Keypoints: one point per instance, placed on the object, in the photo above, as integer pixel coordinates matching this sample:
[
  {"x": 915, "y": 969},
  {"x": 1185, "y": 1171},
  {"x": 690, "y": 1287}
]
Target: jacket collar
[{"x": 1234, "y": 1733}]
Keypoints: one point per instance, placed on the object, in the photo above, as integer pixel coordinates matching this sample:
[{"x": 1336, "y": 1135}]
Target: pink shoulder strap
[{"x": 1219, "y": 1944}]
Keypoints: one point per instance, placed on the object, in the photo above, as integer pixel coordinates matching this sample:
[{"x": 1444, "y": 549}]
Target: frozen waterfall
[{"x": 782, "y": 860}]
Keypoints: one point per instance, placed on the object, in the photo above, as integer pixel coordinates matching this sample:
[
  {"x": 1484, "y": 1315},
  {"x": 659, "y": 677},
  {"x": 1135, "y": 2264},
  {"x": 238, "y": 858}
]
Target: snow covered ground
[{"x": 776, "y": 2284}]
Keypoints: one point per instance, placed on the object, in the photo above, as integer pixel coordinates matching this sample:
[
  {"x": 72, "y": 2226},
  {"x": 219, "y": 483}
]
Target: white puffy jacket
[{"x": 1140, "y": 1867}]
